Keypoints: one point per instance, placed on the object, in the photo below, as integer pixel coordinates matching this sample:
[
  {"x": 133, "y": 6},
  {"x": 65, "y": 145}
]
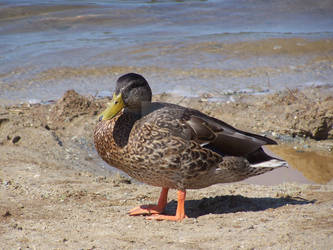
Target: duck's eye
[{"x": 115, "y": 102}]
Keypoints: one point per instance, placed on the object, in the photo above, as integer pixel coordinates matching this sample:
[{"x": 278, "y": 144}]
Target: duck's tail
[
  {"x": 233, "y": 169},
  {"x": 266, "y": 166}
]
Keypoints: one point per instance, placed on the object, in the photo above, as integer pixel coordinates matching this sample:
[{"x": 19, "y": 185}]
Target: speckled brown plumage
[
  {"x": 170, "y": 146},
  {"x": 161, "y": 149}
]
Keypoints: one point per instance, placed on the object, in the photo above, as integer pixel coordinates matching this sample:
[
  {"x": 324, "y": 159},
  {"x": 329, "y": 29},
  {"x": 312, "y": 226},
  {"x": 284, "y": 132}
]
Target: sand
[{"x": 55, "y": 192}]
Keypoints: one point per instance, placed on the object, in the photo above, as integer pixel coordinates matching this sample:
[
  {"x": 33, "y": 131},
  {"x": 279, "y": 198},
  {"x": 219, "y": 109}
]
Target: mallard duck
[{"x": 170, "y": 146}]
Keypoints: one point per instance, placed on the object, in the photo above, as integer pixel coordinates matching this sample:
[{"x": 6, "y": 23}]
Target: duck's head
[{"x": 132, "y": 90}]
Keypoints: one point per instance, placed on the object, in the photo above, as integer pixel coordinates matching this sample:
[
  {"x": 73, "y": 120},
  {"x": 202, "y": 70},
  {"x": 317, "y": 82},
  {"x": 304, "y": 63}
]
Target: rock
[
  {"x": 16, "y": 139},
  {"x": 323, "y": 128}
]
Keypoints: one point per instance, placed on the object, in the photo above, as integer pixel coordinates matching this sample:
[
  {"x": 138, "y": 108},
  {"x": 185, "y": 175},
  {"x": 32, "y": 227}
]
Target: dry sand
[{"x": 56, "y": 194}]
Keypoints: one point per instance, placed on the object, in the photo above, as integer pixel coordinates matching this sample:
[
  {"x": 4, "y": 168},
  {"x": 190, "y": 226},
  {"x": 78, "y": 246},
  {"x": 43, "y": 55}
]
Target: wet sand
[
  {"x": 57, "y": 193},
  {"x": 187, "y": 68}
]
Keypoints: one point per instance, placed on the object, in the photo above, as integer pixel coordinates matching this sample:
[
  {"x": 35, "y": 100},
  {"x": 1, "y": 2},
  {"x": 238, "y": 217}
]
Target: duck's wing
[
  {"x": 211, "y": 133},
  {"x": 225, "y": 139}
]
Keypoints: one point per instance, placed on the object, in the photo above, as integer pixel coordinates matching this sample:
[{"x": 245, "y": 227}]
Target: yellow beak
[{"x": 116, "y": 105}]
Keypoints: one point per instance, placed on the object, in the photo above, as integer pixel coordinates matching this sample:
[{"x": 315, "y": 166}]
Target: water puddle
[{"x": 304, "y": 167}]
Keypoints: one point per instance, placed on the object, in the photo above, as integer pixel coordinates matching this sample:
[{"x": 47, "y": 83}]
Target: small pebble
[
  {"x": 7, "y": 214},
  {"x": 16, "y": 139}
]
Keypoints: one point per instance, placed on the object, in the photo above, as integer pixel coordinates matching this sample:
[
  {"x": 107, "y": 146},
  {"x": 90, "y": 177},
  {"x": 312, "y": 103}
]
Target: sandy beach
[
  {"x": 262, "y": 66},
  {"x": 57, "y": 194}
]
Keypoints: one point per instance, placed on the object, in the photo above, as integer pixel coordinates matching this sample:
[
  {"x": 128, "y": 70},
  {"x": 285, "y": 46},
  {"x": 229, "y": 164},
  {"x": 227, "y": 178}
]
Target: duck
[{"x": 174, "y": 147}]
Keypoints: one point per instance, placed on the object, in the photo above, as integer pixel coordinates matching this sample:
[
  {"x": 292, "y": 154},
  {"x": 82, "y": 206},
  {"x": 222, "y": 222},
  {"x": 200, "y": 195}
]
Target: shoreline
[{"x": 268, "y": 64}]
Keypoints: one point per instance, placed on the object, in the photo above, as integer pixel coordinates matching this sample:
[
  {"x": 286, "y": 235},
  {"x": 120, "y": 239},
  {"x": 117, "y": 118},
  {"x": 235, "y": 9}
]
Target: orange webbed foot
[
  {"x": 146, "y": 210},
  {"x": 155, "y": 211},
  {"x": 152, "y": 209},
  {"x": 180, "y": 213},
  {"x": 166, "y": 217}
]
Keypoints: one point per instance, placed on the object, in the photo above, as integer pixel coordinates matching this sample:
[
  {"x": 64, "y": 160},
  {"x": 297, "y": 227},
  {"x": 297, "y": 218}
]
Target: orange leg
[
  {"x": 180, "y": 213},
  {"x": 152, "y": 209}
]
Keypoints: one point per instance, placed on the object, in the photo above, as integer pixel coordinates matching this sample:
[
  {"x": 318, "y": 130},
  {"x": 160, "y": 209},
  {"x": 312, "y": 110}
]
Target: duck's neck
[
  {"x": 139, "y": 111},
  {"x": 133, "y": 112},
  {"x": 123, "y": 126}
]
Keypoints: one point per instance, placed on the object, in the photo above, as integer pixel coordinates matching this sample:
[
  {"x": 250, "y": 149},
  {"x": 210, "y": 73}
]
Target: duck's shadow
[{"x": 233, "y": 204}]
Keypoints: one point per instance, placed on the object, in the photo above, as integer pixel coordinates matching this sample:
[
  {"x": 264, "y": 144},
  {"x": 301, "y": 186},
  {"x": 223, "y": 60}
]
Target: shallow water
[
  {"x": 184, "y": 47},
  {"x": 303, "y": 167}
]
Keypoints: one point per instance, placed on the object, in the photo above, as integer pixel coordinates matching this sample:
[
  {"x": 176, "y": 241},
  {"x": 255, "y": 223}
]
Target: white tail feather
[{"x": 270, "y": 164}]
